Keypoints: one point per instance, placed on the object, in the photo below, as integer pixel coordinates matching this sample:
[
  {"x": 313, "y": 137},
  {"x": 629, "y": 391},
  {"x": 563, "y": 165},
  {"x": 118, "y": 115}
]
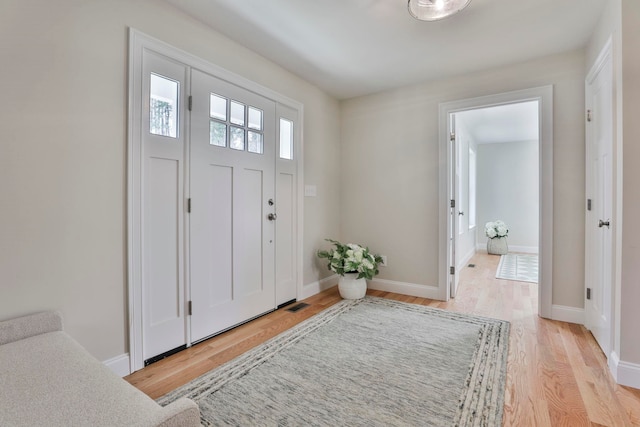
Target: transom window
[{"x": 235, "y": 125}]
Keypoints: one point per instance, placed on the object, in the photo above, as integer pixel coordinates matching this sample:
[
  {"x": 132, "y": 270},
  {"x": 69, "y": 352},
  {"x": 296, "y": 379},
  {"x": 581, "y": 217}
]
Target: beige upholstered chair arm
[
  {"x": 182, "y": 412},
  {"x": 29, "y": 326}
]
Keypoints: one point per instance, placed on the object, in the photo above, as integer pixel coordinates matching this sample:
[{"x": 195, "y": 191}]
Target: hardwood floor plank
[{"x": 556, "y": 374}]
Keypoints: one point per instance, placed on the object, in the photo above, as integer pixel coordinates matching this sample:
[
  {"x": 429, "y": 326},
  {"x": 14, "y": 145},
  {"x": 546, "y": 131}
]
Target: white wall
[
  {"x": 508, "y": 190},
  {"x": 630, "y": 262},
  {"x": 63, "y": 161},
  {"x": 390, "y": 172}
]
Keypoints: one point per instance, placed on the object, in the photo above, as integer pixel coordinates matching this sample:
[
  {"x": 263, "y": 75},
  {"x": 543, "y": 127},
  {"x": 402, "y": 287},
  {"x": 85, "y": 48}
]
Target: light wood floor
[{"x": 556, "y": 375}]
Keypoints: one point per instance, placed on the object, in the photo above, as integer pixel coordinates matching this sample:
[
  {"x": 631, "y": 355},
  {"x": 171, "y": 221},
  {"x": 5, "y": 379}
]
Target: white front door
[
  {"x": 232, "y": 192},
  {"x": 214, "y": 214},
  {"x": 599, "y": 193}
]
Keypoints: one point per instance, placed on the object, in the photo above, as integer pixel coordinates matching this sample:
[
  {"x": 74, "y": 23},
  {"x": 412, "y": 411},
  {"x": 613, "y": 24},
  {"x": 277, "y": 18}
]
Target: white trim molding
[
  {"x": 524, "y": 249},
  {"x": 625, "y": 373},
  {"x": 520, "y": 249},
  {"x": 567, "y": 314},
  {"x": 465, "y": 259},
  {"x": 120, "y": 365},
  {"x": 316, "y": 287},
  {"x": 411, "y": 289}
]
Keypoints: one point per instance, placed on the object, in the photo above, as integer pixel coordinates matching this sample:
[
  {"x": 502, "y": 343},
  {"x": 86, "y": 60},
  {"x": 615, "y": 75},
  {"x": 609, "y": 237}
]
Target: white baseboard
[
  {"x": 465, "y": 260},
  {"x": 119, "y": 364},
  {"x": 523, "y": 249},
  {"x": 567, "y": 314},
  {"x": 625, "y": 373},
  {"x": 404, "y": 288},
  {"x": 313, "y": 288}
]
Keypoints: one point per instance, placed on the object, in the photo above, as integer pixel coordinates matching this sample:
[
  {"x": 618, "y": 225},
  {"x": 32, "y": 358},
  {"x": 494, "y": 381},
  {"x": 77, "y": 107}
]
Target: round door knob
[{"x": 272, "y": 217}]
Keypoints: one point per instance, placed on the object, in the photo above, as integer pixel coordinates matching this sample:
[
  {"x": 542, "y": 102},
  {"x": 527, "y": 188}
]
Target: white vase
[
  {"x": 497, "y": 246},
  {"x": 351, "y": 287}
]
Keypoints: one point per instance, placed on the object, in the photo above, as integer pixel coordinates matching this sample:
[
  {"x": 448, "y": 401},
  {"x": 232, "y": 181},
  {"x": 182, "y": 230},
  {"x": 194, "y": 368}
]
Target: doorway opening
[
  {"x": 496, "y": 179},
  {"x": 506, "y": 150}
]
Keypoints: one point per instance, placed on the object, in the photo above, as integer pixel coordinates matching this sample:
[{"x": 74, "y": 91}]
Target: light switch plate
[{"x": 310, "y": 191}]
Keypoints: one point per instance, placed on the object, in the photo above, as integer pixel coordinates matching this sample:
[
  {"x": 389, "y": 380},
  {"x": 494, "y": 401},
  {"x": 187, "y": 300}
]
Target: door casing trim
[{"x": 544, "y": 96}]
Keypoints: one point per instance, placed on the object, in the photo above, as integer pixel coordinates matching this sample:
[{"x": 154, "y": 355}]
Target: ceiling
[
  {"x": 356, "y": 47},
  {"x": 503, "y": 123}
]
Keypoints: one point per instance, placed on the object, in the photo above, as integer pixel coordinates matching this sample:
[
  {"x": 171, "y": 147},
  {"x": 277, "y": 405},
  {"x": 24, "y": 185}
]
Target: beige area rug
[
  {"x": 519, "y": 267},
  {"x": 368, "y": 362}
]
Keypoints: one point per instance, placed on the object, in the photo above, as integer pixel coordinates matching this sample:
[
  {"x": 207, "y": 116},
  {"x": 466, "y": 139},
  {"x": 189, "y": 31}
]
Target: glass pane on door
[
  {"x": 217, "y": 134},
  {"x": 163, "y": 106},
  {"x": 236, "y": 138},
  {"x": 254, "y": 142},
  {"x": 218, "y": 107},
  {"x": 237, "y": 113}
]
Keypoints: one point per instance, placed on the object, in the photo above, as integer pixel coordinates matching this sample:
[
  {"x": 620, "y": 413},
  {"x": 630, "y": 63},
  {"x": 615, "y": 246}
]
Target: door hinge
[
  {"x": 588, "y": 204},
  {"x": 452, "y": 136},
  {"x": 190, "y": 308},
  {"x": 588, "y": 115},
  {"x": 588, "y": 293},
  {"x": 452, "y": 270},
  {"x": 189, "y": 205},
  {"x": 190, "y": 103},
  {"x": 453, "y": 203}
]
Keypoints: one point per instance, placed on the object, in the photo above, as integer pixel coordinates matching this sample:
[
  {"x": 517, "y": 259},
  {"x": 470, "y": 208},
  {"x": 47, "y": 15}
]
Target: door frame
[
  {"x": 138, "y": 43},
  {"x": 544, "y": 96}
]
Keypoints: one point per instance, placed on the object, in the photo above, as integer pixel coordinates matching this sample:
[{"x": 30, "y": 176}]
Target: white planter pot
[
  {"x": 497, "y": 246},
  {"x": 352, "y": 288}
]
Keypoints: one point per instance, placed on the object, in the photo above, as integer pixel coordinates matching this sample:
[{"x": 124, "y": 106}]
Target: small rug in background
[
  {"x": 520, "y": 267},
  {"x": 369, "y": 362}
]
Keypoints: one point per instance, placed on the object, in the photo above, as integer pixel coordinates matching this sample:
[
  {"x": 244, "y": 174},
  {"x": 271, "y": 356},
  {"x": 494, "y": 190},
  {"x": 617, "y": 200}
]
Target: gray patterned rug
[
  {"x": 373, "y": 362},
  {"x": 520, "y": 267}
]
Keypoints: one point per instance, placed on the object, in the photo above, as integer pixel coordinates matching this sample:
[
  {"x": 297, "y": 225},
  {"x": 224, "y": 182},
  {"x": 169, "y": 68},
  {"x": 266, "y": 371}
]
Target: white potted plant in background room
[
  {"x": 497, "y": 232},
  {"x": 355, "y": 264}
]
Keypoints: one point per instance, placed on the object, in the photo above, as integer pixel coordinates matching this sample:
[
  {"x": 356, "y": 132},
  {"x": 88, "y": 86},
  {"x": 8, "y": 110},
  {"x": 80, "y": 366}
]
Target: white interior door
[
  {"x": 600, "y": 187},
  {"x": 163, "y": 142},
  {"x": 232, "y": 186},
  {"x": 454, "y": 190},
  {"x": 464, "y": 237}
]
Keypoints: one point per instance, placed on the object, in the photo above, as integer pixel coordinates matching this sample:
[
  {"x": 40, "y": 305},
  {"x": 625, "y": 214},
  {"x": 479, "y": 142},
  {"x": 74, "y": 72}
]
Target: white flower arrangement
[
  {"x": 351, "y": 258},
  {"x": 496, "y": 229}
]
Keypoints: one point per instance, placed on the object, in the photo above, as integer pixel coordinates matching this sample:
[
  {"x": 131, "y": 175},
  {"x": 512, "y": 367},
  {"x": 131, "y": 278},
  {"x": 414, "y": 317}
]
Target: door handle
[
  {"x": 602, "y": 223},
  {"x": 272, "y": 217}
]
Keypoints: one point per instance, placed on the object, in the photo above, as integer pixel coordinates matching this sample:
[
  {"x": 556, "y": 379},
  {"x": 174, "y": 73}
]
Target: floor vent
[
  {"x": 164, "y": 355},
  {"x": 298, "y": 307},
  {"x": 471, "y": 265}
]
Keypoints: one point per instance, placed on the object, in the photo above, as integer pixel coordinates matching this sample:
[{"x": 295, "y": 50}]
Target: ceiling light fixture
[{"x": 433, "y": 10}]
